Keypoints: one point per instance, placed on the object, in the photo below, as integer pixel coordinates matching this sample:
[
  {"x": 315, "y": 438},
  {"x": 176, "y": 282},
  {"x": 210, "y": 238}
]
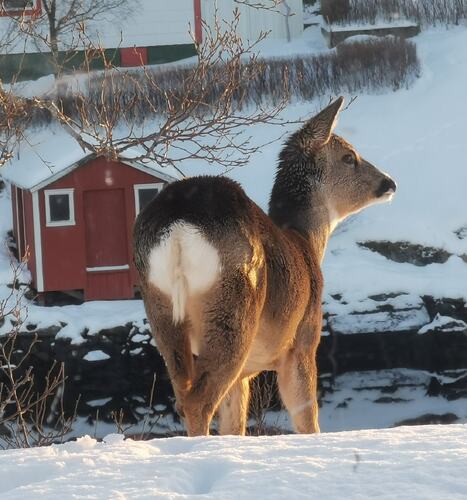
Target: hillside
[{"x": 387, "y": 267}]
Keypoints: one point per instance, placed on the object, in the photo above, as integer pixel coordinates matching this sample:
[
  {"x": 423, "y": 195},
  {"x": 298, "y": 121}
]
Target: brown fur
[{"x": 264, "y": 310}]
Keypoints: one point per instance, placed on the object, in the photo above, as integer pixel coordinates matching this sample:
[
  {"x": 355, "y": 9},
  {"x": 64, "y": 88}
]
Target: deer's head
[{"x": 328, "y": 168}]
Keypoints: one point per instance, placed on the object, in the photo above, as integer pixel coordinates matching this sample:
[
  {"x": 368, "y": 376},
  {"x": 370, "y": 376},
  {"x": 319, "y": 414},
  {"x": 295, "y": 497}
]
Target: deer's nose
[{"x": 387, "y": 186}]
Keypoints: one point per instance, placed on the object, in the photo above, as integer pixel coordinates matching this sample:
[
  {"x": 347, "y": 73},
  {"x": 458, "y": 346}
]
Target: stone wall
[
  {"x": 121, "y": 378},
  {"x": 334, "y": 37}
]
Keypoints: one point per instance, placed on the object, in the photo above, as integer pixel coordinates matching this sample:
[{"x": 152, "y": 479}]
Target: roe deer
[{"x": 230, "y": 291}]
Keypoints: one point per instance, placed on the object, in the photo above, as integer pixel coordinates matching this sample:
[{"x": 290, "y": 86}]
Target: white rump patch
[{"x": 183, "y": 264}]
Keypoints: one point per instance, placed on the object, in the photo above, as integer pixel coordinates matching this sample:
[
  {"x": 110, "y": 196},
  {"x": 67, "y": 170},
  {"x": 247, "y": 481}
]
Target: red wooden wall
[
  {"x": 100, "y": 187},
  {"x": 134, "y": 56}
]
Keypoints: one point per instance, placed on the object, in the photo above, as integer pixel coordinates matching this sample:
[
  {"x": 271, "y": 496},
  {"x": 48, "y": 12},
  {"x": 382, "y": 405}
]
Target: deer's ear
[{"x": 318, "y": 129}]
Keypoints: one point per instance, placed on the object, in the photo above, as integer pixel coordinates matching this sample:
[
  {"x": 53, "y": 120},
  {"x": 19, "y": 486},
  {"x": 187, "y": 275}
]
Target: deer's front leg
[
  {"x": 297, "y": 379},
  {"x": 233, "y": 410}
]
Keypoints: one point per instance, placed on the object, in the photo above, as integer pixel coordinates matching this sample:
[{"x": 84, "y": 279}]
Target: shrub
[
  {"x": 424, "y": 12},
  {"x": 361, "y": 66},
  {"x": 335, "y": 10}
]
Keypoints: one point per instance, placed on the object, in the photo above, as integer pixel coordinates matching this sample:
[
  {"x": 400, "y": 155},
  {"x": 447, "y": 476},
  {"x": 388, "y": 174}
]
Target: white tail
[{"x": 183, "y": 264}]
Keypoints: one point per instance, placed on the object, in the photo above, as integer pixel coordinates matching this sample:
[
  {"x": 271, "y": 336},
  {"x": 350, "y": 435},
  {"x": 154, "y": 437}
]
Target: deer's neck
[{"x": 297, "y": 202}]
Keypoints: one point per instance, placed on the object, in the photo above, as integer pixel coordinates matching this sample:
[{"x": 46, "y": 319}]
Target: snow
[
  {"x": 380, "y": 321},
  {"x": 88, "y": 318},
  {"x": 96, "y": 356},
  {"x": 400, "y": 23},
  {"x": 407, "y": 462},
  {"x": 50, "y": 153},
  {"x": 94, "y": 403},
  {"x": 444, "y": 322}
]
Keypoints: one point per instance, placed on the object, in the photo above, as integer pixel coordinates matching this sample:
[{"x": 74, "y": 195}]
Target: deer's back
[{"x": 229, "y": 233}]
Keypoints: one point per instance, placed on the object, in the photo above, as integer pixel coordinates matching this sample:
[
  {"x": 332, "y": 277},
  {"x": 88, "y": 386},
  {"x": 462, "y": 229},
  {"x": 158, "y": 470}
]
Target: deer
[{"x": 231, "y": 291}]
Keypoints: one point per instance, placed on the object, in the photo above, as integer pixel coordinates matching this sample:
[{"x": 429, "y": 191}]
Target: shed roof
[{"x": 51, "y": 154}]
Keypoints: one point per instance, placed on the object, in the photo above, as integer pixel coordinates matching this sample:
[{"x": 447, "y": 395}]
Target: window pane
[
  {"x": 145, "y": 196},
  {"x": 17, "y": 4},
  {"x": 59, "y": 207}
]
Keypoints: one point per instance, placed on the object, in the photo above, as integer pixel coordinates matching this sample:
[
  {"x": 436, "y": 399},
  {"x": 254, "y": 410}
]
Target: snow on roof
[{"x": 45, "y": 156}]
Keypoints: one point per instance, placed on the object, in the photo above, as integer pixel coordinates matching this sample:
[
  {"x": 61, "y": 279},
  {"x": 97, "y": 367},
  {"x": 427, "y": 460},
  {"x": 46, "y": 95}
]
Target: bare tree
[
  {"x": 61, "y": 25},
  {"x": 31, "y": 411},
  {"x": 201, "y": 117}
]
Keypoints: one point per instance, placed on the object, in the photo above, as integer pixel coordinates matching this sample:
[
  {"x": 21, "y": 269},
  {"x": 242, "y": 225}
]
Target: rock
[
  {"x": 455, "y": 308},
  {"x": 429, "y": 419},
  {"x": 461, "y": 233},
  {"x": 444, "y": 324},
  {"x": 383, "y": 297},
  {"x": 406, "y": 252},
  {"x": 380, "y": 321},
  {"x": 449, "y": 390},
  {"x": 388, "y": 399}
]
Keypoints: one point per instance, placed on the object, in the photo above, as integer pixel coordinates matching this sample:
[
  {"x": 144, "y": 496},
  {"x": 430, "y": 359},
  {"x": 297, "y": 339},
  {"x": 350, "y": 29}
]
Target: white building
[{"x": 156, "y": 31}]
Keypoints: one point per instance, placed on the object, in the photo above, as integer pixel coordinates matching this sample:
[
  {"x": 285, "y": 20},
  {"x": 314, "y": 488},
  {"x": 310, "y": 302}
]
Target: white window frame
[
  {"x": 139, "y": 187},
  {"x": 71, "y": 199},
  {"x": 19, "y": 9}
]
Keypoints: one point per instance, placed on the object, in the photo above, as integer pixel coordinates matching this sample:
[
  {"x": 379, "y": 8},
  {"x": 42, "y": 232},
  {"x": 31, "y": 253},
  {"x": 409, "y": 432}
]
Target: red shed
[{"x": 74, "y": 217}]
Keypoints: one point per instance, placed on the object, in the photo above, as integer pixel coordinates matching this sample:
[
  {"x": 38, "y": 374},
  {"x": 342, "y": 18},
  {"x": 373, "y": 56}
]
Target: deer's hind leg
[
  {"x": 233, "y": 410},
  {"x": 172, "y": 341},
  {"x": 231, "y": 319}
]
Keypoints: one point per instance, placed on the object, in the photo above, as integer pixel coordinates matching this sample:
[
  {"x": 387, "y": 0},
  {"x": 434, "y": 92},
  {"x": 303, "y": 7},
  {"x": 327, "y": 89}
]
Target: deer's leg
[
  {"x": 233, "y": 410},
  {"x": 173, "y": 343},
  {"x": 297, "y": 380},
  {"x": 230, "y": 322}
]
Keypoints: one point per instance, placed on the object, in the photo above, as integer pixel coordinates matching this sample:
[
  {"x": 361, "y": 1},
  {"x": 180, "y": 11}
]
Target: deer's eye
[{"x": 349, "y": 159}]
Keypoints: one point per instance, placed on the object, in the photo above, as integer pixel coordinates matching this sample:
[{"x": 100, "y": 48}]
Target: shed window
[
  {"x": 144, "y": 193},
  {"x": 59, "y": 207},
  {"x": 10, "y": 8},
  {"x": 17, "y": 4}
]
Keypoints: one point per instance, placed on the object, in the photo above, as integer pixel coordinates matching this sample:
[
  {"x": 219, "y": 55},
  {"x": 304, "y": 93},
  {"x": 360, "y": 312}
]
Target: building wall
[
  {"x": 30, "y": 243},
  {"x": 149, "y": 23},
  {"x": 164, "y": 29},
  {"x": 64, "y": 247},
  {"x": 155, "y": 23},
  {"x": 253, "y": 21}
]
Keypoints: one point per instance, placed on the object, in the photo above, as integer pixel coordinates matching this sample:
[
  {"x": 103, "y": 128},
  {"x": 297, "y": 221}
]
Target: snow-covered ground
[{"x": 408, "y": 462}]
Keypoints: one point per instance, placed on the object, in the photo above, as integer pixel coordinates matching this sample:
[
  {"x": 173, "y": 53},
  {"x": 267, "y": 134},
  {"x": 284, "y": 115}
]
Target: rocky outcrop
[
  {"x": 430, "y": 419},
  {"x": 397, "y": 312},
  {"x": 406, "y": 252}
]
